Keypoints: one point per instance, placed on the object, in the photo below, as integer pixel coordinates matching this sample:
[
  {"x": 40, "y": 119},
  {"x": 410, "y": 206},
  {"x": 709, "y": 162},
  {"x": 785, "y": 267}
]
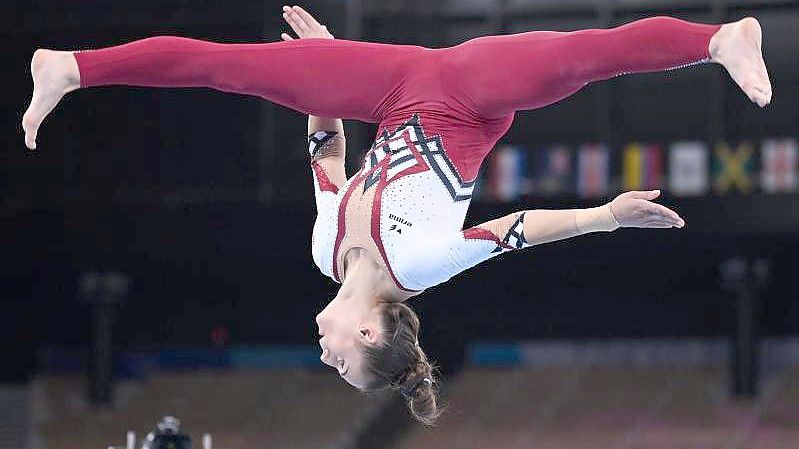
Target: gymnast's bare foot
[
  {"x": 55, "y": 73},
  {"x": 737, "y": 46}
]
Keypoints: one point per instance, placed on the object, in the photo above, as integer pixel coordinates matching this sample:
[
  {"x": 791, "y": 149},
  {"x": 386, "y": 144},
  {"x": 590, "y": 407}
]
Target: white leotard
[{"x": 417, "y": 211}]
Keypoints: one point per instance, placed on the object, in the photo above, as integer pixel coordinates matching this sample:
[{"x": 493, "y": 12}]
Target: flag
[
  {"x": 553, "y": 171},
  {"x": 778, "y": 166},
  {"x": 732, "y": 168},
  {"x": 642, "y": 166},
  {"x": 593, "y": 170},
  {"x": 688, "y": 168},
  {"x": 506, "y": 178}
]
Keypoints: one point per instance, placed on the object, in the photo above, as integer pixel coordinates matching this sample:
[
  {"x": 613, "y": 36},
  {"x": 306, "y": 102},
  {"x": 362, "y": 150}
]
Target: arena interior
[{"x": 157, "y": 250}]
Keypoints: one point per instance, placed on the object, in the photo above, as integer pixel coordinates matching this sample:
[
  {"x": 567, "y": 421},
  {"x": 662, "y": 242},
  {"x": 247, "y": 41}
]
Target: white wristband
[{"x": 596, "y": 219}]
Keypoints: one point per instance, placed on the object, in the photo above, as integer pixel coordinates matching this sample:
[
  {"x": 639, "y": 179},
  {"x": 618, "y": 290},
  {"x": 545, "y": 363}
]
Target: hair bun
[
  {"x": 423, "y": 403},
  {"x": 409, "y": 391}
]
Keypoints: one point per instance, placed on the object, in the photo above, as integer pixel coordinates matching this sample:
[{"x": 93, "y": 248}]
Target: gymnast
[{"x": 395, "y": 228}]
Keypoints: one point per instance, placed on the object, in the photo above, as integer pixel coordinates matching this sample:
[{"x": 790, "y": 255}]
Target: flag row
[{"x": 683, "y": 168}]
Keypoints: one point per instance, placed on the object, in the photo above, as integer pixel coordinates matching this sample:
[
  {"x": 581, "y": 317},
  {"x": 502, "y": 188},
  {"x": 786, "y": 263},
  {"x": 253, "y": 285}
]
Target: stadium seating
[
  {"x": 577, "y": 407},
  {"x": 258, "y": 409},
  {"x": 610, "y": 407}
]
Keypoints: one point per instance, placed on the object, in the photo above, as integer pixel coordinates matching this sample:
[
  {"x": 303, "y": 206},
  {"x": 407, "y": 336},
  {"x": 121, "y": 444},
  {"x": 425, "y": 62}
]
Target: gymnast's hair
[{"x": 398, "y": 363}]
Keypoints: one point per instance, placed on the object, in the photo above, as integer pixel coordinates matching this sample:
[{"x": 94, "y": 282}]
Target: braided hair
[{"x": 398, "y": 363}]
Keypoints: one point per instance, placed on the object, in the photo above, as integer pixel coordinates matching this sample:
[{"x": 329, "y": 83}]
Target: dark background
[{"x": 205, "y": 199}]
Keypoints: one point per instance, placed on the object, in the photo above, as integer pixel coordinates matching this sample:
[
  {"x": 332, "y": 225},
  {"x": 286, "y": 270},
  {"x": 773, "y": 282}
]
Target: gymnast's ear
[{"x": 368, "y": 333}]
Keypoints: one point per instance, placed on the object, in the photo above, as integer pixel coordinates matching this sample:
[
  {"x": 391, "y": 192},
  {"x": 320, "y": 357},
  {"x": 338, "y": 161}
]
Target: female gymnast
[{"x": 394, "y": 229}]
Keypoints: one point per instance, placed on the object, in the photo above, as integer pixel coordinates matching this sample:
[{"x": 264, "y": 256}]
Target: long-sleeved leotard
[{"x": 440, "y": 111}]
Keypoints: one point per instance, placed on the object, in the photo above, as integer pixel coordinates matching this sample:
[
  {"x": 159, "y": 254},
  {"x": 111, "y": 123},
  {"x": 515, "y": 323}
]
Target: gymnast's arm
[
  {"x": 326, "y": 141},
  {"x": 444, "y": 257},
  {"x": 327, "y": 147},
  {"x": 326, "y": 144},
  {"x": 630, "y": 210}
]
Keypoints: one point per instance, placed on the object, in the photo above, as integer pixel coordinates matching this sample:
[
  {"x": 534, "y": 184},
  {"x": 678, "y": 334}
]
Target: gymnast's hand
[
  {"x": 636, "y": 210},
  {"x": 304, "y": 24}
]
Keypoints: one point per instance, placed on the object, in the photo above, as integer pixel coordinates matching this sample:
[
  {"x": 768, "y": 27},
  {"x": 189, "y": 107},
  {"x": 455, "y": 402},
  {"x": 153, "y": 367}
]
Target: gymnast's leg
[
  {"x": 323, "y": 77},
  {"x": 497, "y": 75}
]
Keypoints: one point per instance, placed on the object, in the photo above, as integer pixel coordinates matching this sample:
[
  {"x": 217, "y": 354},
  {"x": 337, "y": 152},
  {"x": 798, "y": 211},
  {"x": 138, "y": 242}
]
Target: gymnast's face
[{"x": 343, "y": 333}]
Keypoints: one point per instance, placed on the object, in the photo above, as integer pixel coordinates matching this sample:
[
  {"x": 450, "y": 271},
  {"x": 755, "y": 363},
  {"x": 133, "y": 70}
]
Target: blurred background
[{"x": 141, "y": 276}]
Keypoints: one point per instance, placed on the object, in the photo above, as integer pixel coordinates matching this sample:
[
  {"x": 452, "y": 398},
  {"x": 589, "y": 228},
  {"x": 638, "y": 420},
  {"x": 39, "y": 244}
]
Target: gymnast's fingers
[
  {"x": 306, "y": 17},
  {"x": 294, "y": 23},
  {"x": 286, "y": 37},
  {"x": 289, "y": 20},
  {"x": 658, "y": 224},
  {"x": 663, "y": 222},
  {"x": 298, "y": 20},
  {"x": 663, "y": 211}
]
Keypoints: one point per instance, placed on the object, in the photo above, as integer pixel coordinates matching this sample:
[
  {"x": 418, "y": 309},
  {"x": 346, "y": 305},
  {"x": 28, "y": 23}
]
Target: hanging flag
[
  {"x": 593, "y": 170},
  {"x": 688, "y": 168},
  {"x": 642, "y": 166},
  {"x": 733, "y": 167},
  {"x": 507, "y": 173},
  {"x": 553, "y": 171},
  {"x": 778, "y": 173}
]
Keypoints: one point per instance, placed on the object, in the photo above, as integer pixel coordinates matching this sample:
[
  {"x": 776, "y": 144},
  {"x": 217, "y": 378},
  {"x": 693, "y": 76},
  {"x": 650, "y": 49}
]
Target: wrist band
[{"x": 596, "y": 219}]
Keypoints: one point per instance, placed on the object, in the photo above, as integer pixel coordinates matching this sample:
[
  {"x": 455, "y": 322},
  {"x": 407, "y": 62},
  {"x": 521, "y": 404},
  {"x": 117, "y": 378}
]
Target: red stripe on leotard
[
  {"x": 381, "y": 185},
  {"x": 325, "y": 184},
  {"x": 484, "y": 234}
]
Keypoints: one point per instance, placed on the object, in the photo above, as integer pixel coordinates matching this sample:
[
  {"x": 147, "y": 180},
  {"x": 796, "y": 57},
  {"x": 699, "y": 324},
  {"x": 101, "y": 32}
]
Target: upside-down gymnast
[{"x": 394, "y": 229}]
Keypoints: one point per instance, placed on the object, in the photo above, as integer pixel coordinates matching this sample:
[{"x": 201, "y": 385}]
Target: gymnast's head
[{"x": 378, "y": 349}]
